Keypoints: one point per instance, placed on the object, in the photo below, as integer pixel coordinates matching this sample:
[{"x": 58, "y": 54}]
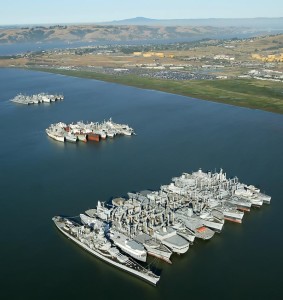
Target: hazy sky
[{"x": 86, "y": 11}]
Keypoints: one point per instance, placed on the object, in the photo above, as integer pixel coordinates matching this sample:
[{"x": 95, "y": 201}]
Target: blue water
[{"x": 40, "y": 178}]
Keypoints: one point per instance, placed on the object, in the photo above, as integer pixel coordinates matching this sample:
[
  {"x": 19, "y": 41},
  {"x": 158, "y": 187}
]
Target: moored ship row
[
  {"x": 84, "y": 132},
  {"x": 160, "y": 223},
  {"x": 37, "y": 98}
]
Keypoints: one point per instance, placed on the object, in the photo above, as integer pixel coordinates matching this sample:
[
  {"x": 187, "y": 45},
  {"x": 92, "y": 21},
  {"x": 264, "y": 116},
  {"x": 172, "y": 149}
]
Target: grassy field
[{"x": 257, "y": 94}]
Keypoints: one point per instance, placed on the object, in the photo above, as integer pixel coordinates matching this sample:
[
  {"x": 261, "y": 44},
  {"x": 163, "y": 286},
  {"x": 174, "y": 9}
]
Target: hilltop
[
  {"x": 138, "y": 29},
  {"x": 251, "y": 23},
  {"x": 88, "y": 33}
]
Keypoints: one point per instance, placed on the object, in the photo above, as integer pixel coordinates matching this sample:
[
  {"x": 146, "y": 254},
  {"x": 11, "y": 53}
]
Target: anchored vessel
[
  {"x": 55, "y": 134},
  {"x": 87, "y": 131},
  {"x": 37, "y": 98},
  {"x": 128, "y": 245},
  {"x": 94, "y": 241},
  {"x": 154, "y": 247},
  {"x": 163, "y": 222}
]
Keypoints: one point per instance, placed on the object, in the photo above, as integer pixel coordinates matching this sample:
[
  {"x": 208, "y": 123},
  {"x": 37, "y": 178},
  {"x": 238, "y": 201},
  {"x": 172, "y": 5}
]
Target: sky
[{"x": 89, "y": 11}]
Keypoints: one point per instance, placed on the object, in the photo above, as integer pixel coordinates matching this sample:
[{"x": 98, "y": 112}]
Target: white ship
[
  {"x": 240, "y": 203},
  {"x": 169, "y": 237},
  {"x": 80, "y": 130},
  {"x": 205, "y": 217},
  {"x": 55, "y": 135},
  {"x": 184, "y": 232},
  {"x": 70, "y": 137},
  {"x": 266, "y": 199},
  {"x": 247, "y": 194},
  {"x": 196, "y": 225},
  {"x": 230, "y": 212},
  {"x": 96, "y": 243},
  {"x": 81, "y": 137},
  {"x": 210, "y": 220},
  {"x": 128, "y": 245},
  {"x": 36, "y": 99},
  {"x": 154, "y": 247},
  {"x": 92, "y": 222}
]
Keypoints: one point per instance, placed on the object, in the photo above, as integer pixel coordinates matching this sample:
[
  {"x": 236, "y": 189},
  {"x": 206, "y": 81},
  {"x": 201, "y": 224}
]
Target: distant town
[
  {"x": 208, "y": 69},
  {"x": 202, "y": 60}
]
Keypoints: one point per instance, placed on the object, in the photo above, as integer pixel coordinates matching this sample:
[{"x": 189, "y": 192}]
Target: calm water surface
[{"x": 40, "y": 178}]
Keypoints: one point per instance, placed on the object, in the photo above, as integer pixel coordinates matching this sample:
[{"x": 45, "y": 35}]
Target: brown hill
[{"x": 86, "y": 33}]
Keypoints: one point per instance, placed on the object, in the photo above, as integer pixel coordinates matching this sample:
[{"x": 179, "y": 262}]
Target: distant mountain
[
  {"x": 142, "y": 29},
  {"x": 133, "y": 21},
  {"x": 86, "y": 33},
  {"x": 256, "y": 23}
]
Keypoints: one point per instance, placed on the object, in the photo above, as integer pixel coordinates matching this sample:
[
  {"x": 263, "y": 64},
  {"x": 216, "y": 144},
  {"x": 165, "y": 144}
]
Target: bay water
[{"x": 40, "y": 178}]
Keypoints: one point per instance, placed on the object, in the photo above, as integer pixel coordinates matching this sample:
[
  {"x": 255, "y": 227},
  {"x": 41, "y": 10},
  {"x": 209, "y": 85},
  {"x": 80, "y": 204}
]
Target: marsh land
[{"x": 240, "y": 71}]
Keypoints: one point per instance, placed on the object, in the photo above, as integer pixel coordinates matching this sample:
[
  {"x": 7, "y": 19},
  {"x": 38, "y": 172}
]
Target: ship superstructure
[
  {"x": 160, "y": 223},
  {"x": 90, "y": 131},
  {"x": 37, "y": 98},
  {"x": 94, "y": 241}
]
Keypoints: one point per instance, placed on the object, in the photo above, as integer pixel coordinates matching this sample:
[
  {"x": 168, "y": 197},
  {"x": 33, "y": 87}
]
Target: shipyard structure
[
  {"x": 93, "y": 131},
  {"x": 160, "y": 223}
]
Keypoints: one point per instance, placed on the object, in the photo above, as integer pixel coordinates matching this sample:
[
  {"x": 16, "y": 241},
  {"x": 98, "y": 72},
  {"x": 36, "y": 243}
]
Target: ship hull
[
  {"x": 152, "y": 280},
  {"x": 204, "y": 233},
  {"x": 234, "y": 217},
  {"x": 124, "y": 249},
  {"x": 82, "y": 137},
  {"x": 231, "y": 219},
  {"x": 71, "y": 139},
  {"x": 56, "y": 137},
  {"x": 158, "y": 254},
  {"x": 213, "y": 225},
  {"x": 93, "y": 137},
  {"x": 174, "y": 248},
  {"x": 188, "y": 237}
]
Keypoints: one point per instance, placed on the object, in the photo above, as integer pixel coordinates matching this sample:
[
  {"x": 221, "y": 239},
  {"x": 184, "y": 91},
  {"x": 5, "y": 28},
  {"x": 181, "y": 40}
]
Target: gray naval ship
[
  {"x": 92, "y": 239},
  {"x": 160, "y": 223}
]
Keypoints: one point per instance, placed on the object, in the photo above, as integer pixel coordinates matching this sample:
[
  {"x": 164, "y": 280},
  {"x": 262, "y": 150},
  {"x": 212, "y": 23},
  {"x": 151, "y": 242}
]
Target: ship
[
  {"x": 55, "y": 135},
  {"x": 195, "y": 225},
  {"x": 169, "y": 237},
  {"x": 70, "y": 137},
  {"x": 184, "y": 232},
  {"x": 81, "y": 137},
  {"x": 252, "y": 194},
  {"x": 154, "y": 247},
  {"x": 36, "y": 98},
  {"x": 241, "y": 203},
  {"x": 95, "y": 243},
  {"x": 163, "y": 222},
  {"x": 93, "y": 137},
  {"x": 265, "y": 198},
  {"x": 92, "y": 131},
  {"x": 128, "y": 245},
  {"x": 230, "y": 212}
]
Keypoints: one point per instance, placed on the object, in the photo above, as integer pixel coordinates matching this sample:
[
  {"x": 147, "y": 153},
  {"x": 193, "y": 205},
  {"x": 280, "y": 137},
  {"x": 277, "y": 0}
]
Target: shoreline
[{"x": 249, "y": 93}]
